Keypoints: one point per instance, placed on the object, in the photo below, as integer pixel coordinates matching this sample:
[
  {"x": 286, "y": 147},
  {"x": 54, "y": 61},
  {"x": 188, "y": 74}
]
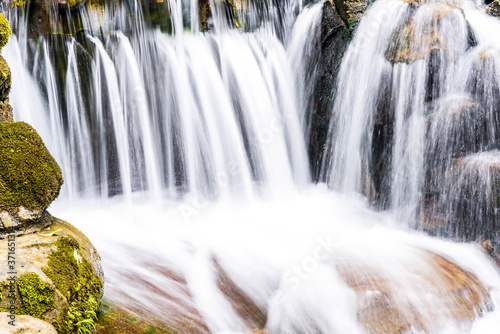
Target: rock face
[
  {"x": 25, "y": 324},
  {"x": 334, "y": 40},
  {"x": 59, "y": 277}
]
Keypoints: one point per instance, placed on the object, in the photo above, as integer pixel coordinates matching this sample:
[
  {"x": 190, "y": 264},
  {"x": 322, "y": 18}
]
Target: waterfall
[
  {"x": 183, "y": 147},
  {"x": 417, "y": 89}
]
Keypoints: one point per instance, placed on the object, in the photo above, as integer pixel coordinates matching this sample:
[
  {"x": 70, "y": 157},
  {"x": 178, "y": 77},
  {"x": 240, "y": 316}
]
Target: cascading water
[{"x": 195, "y": 145}]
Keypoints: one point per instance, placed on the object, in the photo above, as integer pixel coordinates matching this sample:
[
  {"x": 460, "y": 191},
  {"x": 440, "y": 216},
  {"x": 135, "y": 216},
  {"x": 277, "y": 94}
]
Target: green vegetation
[
  {"x": 36, "y": 297},
  {"x": 74, "y": 275},
  {"x": 5, "y": 31},
  {"x": 29, "y": 175}
]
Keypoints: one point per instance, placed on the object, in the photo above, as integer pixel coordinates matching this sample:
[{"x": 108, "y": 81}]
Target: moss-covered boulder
[
  {"x": 30, "y": 178},
  {"x": 5, "y": 79},
  {"x": 59, "y": 277},
  {"x": 5, "y": 31}
]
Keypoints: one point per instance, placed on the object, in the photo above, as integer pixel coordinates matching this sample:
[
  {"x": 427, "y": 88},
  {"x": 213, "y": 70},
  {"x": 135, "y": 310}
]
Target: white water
[{"x": 199, "y": 140}]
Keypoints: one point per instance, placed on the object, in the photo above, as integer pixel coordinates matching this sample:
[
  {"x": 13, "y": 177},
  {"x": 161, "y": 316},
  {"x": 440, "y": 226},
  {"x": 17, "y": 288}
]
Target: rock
[
  {"x": 5, "y": 79},
  {"x": 59, "y": 276},
  {"x": 471, "y": 198},
  {"x": 5, "y": 31},
  {"x": 30, "y": 178},
  {"x": 6, "y": 114},
  {"x": 457, "y": 128},
  {"x": 494, "y": 8},
  {"x": 25, "y": 324},
  {"x": 334, "y": 40},
  {"x": 451, "y": 293}
]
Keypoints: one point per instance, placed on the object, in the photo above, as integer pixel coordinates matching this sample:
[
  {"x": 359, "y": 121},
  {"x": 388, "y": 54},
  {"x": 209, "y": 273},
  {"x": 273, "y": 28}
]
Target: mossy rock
[
  {"x": 494, "y": 8},
  {"x": 6, "y": 114},
  {"x": 5, "y": 79},
  {"x": 5, "y": 31},
  {"x": 30, "y": 178},
  {"x": 59, "y": 277}
]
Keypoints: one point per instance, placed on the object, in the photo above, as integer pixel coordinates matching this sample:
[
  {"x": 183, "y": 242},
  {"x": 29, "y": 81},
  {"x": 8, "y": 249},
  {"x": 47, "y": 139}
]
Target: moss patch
[
  {"x": 29, "y": 175},
  {"x": 5, "y": 31},
  {"x": 5, "y": 79},
  {"x": 36, "y": 297},
  {"x": 74, "y": 276}
]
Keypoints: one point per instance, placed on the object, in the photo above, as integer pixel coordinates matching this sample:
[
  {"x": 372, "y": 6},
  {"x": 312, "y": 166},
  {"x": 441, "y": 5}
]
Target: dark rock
[{"x": 334, "y": 42}]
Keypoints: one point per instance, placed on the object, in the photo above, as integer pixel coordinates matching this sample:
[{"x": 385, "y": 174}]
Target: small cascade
[
  {"x": 413, "y": 95},
  {"x": 149, "y": 112}
]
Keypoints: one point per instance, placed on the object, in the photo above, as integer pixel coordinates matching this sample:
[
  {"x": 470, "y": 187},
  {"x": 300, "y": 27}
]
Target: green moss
[
  {"x": 5, "y": 79},
  {"x": 36, "y": 297},
  {"x": 5, "y": 31},
  {"x": 29, "y": 175},
  {"x": 74, "y": 275}
]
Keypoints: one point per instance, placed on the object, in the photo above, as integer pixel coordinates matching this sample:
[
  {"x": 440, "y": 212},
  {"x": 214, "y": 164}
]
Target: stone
[
  {"x": 30, "y": 178},
  {"x": 453, "y": 294},
  {"x": 5, "y": 31},
  {"x": 494, "y": 8},
  {"x": 6, "y": 114},
  {"x": 5, "y": 79},
  {"x": 59, "y": 276},
  {"x": 25, "y": 324}
]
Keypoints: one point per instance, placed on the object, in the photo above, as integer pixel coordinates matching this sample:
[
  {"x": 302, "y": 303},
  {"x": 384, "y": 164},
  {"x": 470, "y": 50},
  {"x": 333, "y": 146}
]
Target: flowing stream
[{"x": 184, "y": 156}]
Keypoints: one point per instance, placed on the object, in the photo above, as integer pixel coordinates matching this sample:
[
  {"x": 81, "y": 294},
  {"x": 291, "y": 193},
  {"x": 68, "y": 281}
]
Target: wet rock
[
  {"x": 30, "y": 178},
  {"x": 5, "y": 79},
  {"x": 471, "y": 198},
  {"x": 25, "y": 324},
  {"x": 457, "y": 127},
  {"x": 6, "y": 114},
  {"x": 59, "y": 276},
  {"x": 383, "y": 307},
  {"x": 494, "y": 8},
  {"x": 253, "y": 316},
  {"x": 334, "y": 41}
]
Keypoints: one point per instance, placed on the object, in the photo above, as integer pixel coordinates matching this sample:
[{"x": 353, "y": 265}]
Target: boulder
[
  {"x": 453, "y": 294},
  {"x": 30, "y": 178},
  {"x": 5, "y": 31},
  {"x": 59, "y": 277},
  {"x": 25, "y": 324}
]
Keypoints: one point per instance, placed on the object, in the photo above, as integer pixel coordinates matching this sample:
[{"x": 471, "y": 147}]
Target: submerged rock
[
  {"x": 30, "y": 178},
  {"x": 59, "y": 276},
  {"x": 384, "y": 306}
]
